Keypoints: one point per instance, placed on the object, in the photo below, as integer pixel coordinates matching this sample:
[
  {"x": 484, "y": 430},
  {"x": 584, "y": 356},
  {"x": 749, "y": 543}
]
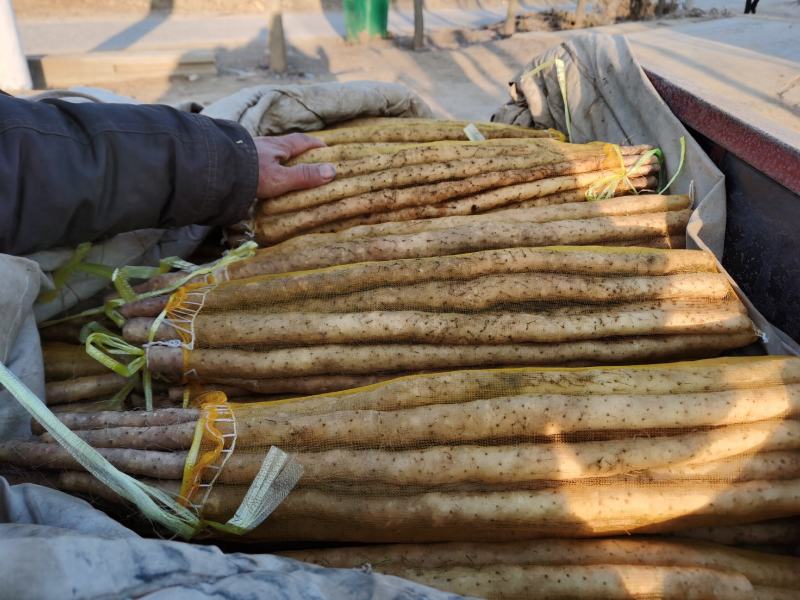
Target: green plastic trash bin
[{"x": 366, "y": 18}]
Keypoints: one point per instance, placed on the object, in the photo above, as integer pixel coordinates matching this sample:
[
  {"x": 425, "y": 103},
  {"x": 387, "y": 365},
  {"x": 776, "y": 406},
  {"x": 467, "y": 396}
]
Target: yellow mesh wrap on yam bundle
[
  {"x": 511, "y": 307},
  {"x": 577, "y": 567},
  {"x": 511, "y": 454}
]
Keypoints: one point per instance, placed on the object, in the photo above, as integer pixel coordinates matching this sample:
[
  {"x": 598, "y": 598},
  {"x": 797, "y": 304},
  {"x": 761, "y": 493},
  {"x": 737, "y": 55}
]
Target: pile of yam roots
[
  {"x": 390, "y": 170},
  {"x": 503, "y": 455},
  {"x": 430, "y": 253},
  {"x": 356, "y": 324},
  {"x": 644, "y": 567}
]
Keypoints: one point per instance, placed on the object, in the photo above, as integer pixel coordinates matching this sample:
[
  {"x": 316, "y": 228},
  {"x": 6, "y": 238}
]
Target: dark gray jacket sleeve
[{"x": 71, "y": 172}]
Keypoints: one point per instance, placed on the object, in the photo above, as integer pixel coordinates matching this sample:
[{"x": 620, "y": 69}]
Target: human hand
[{"x": 274, "y": 179}]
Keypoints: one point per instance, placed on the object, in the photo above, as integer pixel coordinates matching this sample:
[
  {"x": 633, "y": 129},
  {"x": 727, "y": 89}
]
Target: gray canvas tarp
[
  {"x": 611, "y": 99},
  {"x": 56, "y": 546}
]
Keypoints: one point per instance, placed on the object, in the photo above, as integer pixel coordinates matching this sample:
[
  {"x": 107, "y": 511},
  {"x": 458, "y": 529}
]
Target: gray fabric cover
[
  {"x": 611, "y": 99},
  {"x": 277, "y": 109},
  {"x": 57, "y": 546},
  {"x": 19, "y": 339}
]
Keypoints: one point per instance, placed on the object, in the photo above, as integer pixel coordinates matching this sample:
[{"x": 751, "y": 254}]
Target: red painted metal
[{"x": 756, "y": 147}]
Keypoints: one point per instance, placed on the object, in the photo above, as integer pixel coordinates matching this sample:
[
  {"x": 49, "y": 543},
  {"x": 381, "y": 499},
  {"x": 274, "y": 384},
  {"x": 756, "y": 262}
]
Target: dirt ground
[
  {"x": 74, "y": 8},
  {"x": 461, "y": 74}
]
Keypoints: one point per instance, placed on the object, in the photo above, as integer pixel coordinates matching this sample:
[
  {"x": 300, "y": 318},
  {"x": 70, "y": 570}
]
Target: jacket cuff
[{"x": 233, "y": 172}]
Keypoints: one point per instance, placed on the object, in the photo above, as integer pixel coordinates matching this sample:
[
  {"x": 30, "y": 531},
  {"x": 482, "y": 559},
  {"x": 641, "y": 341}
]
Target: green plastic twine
[
  {"x": 95, "y": 327},
  {"x": 65, "y": 271},
  {"x": 104, "y": 345},
  {"x": 606, "y": 187},
  {"x": 680, "y": 166},
  {"x": 561, "y": 77},
  {"x": 120, "y": 278},
  {"x": 278, "y": 475},
  {"x": 155, "y": 504}
]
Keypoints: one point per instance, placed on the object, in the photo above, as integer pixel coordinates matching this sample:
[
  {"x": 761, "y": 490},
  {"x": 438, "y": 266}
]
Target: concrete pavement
[
  {"x": 161, "y": 31},
  {"x": 166, "y": 32}
]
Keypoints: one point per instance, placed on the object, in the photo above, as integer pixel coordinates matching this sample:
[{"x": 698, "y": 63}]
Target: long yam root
[
  {"x": 354, "y": 277},
  {"x": 759, "y": 568},
  {"x": 375, "y": 358},
  {"x": 83, "y": 388},
  {"x": 247, "y": 328}
]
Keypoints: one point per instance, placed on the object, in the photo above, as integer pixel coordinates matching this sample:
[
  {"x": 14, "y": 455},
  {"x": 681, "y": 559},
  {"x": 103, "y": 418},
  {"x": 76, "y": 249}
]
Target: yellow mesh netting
[
  {"x": 492, "y": 454},
  {"x": 360, "y": 322},
  {"x": 529, "y": 452}
]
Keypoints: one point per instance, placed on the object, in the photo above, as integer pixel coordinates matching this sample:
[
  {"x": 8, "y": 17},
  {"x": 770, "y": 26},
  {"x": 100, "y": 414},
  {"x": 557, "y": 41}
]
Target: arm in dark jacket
[{"x": 71, "y": 172}]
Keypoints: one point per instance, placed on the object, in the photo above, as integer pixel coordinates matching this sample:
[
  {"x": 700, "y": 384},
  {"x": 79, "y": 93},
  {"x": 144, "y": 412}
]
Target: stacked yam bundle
[
  {"x": 360, "y": 323},
  {"x": 647, "y": 221},
  {"x": 405, "y": 169},
  {"x": 775, "y": 535},
  {"x": 74, "y": 381},
  {"x": 575, "y": 569},
  {"x": 486, "y": 455}
]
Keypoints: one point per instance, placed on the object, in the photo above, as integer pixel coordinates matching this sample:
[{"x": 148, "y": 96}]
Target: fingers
[
  {"x": 289, "y": 146},
  {"x": 299, "y": 177}
]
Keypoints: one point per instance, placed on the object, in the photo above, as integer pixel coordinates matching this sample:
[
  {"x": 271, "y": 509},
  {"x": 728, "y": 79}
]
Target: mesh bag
[
  {"x": 476, "y": 455},
  {"x": 650, "y": 220},
  {"x": 643, "y": 567},
  {"x": 513, "y": 453},
  {"x": 513, "y": 307}
]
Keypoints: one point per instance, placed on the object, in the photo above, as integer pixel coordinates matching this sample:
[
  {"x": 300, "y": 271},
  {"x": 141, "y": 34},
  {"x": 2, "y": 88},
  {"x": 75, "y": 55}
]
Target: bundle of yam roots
[
  {"x": 340, "y": 342},
  {"x": 645, "y": 567},
  {"x": 498, "y": 456},
  {"x": 390, "y": 170},
  {"x": 643, "y": 221},
  {"x": 333, "y": 328}
]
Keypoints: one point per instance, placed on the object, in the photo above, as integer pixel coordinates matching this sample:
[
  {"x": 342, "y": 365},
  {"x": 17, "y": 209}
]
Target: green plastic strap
[
  {"x": 155, "y": 504},
  {"x": 276, "y": 478},
  {"x": 680, "y": 167},
  {"x": 90, "y": 328},
  {"x": 278, "y": 475},
  {"x": 110, "y": 308},
  {"x": 561, "y": 77},
  {"x": 246, "y": 250},
  {"x": 63, "y": 273},
  {"x": 103, "y": 346},
  {"x": 121, "y": 277}
]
